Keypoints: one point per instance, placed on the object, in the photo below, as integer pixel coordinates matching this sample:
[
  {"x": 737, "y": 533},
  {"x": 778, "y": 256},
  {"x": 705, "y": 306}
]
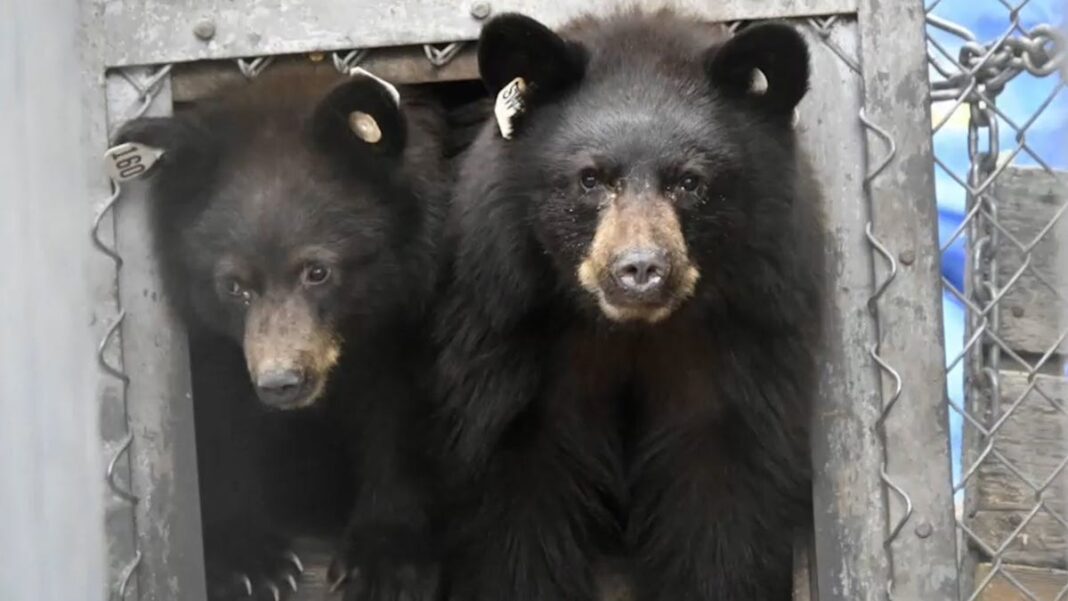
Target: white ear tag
[
  {"x": 392, "y": 89},
  {"x": 758, "y": 83},
  {"x": 509, "y": 104},
  {"x": 130, "y": 160},
  {"x": 365, "y": 127}
]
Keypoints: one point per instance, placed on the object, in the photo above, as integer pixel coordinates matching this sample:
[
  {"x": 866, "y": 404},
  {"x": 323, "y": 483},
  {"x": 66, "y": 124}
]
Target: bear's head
[
  {"x": 286, "y": 219},
  {"x": 654, "y": 150}
]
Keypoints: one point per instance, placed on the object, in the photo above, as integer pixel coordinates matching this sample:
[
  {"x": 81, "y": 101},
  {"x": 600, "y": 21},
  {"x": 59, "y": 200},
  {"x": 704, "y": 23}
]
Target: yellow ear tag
[
  {"x": 365, "y": 127},
  {"x": 509, "y": 104}
]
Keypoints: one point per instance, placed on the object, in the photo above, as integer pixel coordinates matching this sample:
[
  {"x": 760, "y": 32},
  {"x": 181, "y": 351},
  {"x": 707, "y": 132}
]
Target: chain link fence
[{"x": 999, "y": 106}]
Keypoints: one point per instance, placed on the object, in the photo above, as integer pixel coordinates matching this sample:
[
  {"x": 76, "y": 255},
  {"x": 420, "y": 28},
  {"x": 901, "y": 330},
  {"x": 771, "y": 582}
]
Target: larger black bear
[
  {"x": 298, "y": 223},
  {"x": 628, "y": 341}
]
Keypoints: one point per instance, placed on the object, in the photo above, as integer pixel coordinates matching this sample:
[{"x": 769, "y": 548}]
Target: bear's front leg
[
  {"x": 714, "y": 516},
  {"x": 385, "y": 558},
  {"x": 534, "y": 520},
  {"x": 387, "y": 551},
  {"x": 247, "y": 560}
]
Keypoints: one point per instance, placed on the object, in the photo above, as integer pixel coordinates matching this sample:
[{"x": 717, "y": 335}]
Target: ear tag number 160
[{"x": 130, "y": 160}]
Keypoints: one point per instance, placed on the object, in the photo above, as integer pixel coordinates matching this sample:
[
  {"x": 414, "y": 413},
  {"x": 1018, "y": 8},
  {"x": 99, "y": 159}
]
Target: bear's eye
[
  {"x": 589, "y": 178},
  {"x": 236, "y": 289},
  {"x": 690, "y": 182},
  {"x": 315, "y": 274}
]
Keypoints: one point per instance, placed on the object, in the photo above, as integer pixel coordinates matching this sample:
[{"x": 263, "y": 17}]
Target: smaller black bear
[
  {"x": 297, "y": 222},
  {"x": 629, "y": 335}
]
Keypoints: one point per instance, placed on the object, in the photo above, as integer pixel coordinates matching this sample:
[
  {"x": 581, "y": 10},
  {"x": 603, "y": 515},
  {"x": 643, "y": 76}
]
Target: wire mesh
[{"x": 999, "y": 109}]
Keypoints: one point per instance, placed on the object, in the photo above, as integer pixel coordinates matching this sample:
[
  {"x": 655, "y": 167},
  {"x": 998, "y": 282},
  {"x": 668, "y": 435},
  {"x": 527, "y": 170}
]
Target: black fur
[
  {"x": 683, "y": 445},
  {"x": 264, "y": 171}
]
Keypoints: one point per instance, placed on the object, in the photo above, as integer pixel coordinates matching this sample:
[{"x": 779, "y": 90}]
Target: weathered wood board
[
  {"x": 1028, "y": 453},
  {"x": 1028, "y": 201},
  {"x": 1042, "y": 584},
  {"x": 804, "y": 572}
]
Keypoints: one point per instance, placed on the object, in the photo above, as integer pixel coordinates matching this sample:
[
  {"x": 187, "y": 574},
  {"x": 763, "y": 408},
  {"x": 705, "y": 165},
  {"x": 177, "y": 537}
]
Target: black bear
[
  {"x": 298, "y": 223},
  {"x": 628, "y": 336}
]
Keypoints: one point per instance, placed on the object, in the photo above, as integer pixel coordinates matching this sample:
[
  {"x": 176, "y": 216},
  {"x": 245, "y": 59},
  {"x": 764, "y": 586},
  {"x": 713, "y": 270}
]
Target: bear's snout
[
  {"x": 639, "y": 274},
  {"x": 637, "y": 265},
  {"x": 281, "y": 387},
  {"x": 289, "y": 353}
]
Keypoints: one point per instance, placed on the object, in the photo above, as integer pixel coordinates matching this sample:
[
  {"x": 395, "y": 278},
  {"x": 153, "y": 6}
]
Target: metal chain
[
  {"x": 1039, "y": 52},
  {"x": 983, "y": 150}
]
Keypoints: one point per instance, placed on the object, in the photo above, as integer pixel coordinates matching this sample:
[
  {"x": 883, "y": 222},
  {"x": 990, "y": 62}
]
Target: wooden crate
[{"x": 1017, "y": 501}]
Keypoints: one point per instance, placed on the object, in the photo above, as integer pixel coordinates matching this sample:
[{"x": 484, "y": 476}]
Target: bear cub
[
  {"x": 297, "y": 221},
  {"x": 628, "y": 340}
]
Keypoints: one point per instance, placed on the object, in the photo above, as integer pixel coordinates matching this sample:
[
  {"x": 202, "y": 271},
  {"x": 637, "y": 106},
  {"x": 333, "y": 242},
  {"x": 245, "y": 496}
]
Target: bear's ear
[
  {"x": 172, "y": 135},
  {"x": 165, "y": 133},
  {"x": 765, "y": 64},
  {"x": 513, "y": 45},
  {"x": 361, "y": 115},
  {"x": 186, "y": 142}
]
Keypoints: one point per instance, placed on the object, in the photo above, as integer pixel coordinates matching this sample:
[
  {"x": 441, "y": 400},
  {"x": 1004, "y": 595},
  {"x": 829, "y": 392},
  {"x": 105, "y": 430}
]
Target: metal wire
[
  {"x": 146, "y": 88},
  {"x": 824, "y": 28},
  {"x": 889, "y": 403},
  {"x": 440, "y": 56}
]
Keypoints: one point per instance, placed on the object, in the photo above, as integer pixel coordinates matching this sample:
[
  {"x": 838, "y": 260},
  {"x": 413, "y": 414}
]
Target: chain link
[
  {"x": 1040, "y": 52},
  {"x": 989, "y": 67}
]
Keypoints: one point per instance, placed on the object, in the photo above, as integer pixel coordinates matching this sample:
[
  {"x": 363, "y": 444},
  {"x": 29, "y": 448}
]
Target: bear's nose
[
  {"x": 641, "y": 271},
  {"x": 280, "y": 387}
]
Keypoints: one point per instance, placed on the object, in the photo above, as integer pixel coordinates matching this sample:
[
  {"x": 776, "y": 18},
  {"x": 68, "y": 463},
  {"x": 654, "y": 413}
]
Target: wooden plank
[
  {"x": 903, "y": 221},
  {"x": 1032, "y": 441},
  {"x": 849, "y": 503},
  {"x": 315, "y": 554},
  {"x": 1028, "y": 199},
  {"x": 1041, "y": 584},
  {"x": 804, "y": 564}
]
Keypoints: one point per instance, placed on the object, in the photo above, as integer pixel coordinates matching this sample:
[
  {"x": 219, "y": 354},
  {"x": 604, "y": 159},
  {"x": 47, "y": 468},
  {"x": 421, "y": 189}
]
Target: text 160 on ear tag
[
  {"x": 130, "y": 160},
  {"x": 509, "y": 105}
]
